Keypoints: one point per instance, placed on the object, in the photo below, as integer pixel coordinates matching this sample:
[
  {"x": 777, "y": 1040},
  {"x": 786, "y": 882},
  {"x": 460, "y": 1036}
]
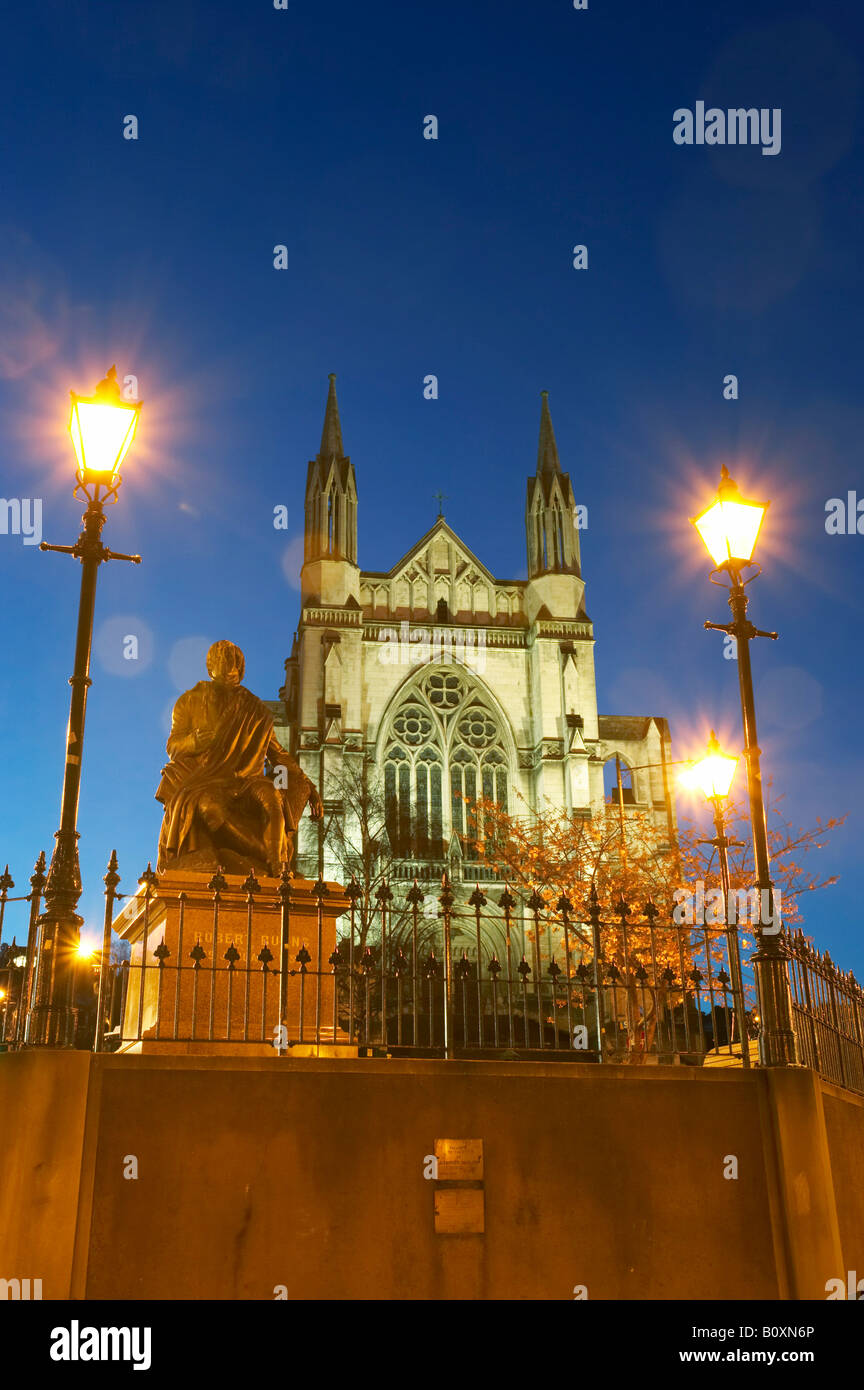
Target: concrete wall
[
  {"x": 844, "y": 1123},
  {"x": 309, "y": 1173},
  {"x": 47, "y": 1143}
]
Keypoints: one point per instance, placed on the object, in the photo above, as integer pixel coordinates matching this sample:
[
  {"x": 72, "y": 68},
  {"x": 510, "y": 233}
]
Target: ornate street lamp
[
  {"x": 713, "y": 775},
  {"x": 102, "y": 427},
  {"x": 730, "y": 527}
]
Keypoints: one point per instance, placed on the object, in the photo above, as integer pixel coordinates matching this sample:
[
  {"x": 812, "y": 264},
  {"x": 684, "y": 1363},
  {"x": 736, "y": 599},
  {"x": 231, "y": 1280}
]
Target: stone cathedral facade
[{"x": 453, "y": 682}]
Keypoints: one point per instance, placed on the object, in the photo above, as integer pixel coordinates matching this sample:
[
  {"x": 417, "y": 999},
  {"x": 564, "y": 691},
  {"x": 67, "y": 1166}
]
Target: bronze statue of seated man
[{"x": 221, "y": 807}]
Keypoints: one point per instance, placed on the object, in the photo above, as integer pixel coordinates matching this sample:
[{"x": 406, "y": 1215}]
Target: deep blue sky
[{"x": 406, "y": 257}]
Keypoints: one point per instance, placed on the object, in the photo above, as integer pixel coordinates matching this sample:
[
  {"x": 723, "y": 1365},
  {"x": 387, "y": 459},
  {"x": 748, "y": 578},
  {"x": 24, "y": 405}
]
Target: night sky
[{"x": 304, "y": 127}]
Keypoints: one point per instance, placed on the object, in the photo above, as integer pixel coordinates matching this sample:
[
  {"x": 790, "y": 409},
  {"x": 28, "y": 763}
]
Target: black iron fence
[
  {"x": 496, "y": 973},
  {"x": 17, "y": 958},
  {"x": 828, "y": 1011}
]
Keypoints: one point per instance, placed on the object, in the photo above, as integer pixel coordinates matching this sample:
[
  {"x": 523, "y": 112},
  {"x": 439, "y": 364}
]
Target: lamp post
[
  {"x": 713, "y": 775},
  {"x": 102, "y": 427},
  {"x": 729, "y": 528}
]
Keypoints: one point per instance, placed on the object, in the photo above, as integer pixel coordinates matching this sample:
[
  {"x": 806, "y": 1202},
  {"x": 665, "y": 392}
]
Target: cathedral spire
[
  {"x": 331, "y": 435},
  {"x": 551, "y": 515},
  {"x": 331, "y": 494},
  {"x": 547, "y": 451}
]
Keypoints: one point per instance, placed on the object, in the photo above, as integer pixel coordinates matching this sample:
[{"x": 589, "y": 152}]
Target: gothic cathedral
[{"x": 449, "y": 682}]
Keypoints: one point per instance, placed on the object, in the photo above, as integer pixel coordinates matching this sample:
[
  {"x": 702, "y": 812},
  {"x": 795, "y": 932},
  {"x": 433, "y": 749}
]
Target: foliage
[{"x": 587, "y": 859}]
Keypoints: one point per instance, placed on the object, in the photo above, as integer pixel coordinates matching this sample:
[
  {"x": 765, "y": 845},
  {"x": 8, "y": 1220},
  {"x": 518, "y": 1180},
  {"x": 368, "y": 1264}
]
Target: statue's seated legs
[
  {"x": 236, "y": 822},
  {"x": 269, "y": 800}
]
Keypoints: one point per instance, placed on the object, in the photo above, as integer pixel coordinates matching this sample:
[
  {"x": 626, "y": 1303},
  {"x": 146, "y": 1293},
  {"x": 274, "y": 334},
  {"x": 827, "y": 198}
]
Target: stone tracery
[{"x": 443, "y": 734}]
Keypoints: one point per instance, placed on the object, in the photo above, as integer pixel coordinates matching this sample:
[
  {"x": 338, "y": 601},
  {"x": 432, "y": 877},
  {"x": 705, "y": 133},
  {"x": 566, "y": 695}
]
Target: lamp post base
[
  {"x": 52, "y": 1019},
  {"x": 777, "y": 1043}
]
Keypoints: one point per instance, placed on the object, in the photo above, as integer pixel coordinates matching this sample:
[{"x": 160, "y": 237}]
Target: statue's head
[{"x": 226, "y": 663}]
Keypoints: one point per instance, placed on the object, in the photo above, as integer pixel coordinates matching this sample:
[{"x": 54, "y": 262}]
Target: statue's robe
[{"x": 227, "y": 769}]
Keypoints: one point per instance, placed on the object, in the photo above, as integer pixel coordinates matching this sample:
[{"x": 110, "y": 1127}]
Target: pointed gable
[
  {"x": 442, "y": 579},
  {"x": 440, "y": 547}
]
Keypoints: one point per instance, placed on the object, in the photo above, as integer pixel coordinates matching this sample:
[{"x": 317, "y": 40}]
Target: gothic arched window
[
  {"x": 559, "y": 538},
  {"x": 444, "y": 735},
  {"x": 430, "y": 823},
  {"x": 610, "y": 782},
  {"x": 478, "y": 766}
]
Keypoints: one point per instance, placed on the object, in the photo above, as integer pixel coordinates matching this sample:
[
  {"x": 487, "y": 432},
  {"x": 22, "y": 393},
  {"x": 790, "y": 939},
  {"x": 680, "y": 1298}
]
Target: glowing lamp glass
[
  {"x": 730, "y": 526},
  {"x": 102, "y": 427},
  {"x": 713, "y": 774}
]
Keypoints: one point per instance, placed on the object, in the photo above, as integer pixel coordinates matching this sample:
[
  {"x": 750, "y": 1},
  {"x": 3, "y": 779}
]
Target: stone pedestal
[{"x": 196, "y": 981}]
